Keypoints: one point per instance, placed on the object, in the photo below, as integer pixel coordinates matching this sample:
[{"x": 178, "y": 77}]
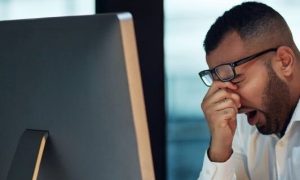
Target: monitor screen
[{"x": 78, "y": 78}]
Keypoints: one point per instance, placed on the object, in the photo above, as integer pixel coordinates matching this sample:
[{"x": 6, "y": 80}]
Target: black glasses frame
[{"x": 233, "y": 65}]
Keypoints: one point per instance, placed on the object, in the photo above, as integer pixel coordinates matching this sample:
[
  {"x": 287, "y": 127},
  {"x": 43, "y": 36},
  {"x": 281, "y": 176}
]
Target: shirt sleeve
[{"x": 215, "y": 170}]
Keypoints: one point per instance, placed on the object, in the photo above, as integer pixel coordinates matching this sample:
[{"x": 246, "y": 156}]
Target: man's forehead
[{"x": 230, "y": 49}]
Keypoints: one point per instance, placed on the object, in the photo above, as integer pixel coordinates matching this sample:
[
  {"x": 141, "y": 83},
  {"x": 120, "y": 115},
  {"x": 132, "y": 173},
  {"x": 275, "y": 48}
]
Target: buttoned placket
[{"x": 280, "y": 151}]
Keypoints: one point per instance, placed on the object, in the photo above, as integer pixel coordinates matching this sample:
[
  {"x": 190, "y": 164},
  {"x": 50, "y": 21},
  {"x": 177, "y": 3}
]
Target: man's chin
[
  {"x": 264, "y": 130},
  {"x": 267, "y": 128},
  {"x": 261, "y": 124}
]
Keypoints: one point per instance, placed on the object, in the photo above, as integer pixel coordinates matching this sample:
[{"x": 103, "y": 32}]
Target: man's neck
[{"x": 287, "y": 122}]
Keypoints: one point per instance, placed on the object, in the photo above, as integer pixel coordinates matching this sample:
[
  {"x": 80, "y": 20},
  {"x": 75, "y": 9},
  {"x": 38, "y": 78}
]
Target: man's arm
[
  {"x": 234, "y": 167},
  {"x": 220, "y": 106}
]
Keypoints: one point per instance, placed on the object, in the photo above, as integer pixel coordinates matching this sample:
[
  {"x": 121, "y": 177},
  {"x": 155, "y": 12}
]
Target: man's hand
[{"x": 220, "y": 106}]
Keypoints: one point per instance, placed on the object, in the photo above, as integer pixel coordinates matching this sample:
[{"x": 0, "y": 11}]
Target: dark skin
[{"x": 255, "y": 91}]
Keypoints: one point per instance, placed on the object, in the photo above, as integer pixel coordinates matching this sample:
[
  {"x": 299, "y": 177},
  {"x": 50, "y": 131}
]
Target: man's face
[{"x": 261, "y": 91}]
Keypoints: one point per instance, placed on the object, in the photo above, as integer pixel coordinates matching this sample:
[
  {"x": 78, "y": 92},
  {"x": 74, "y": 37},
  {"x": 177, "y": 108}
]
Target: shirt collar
[{"x": 296, "y": 114}]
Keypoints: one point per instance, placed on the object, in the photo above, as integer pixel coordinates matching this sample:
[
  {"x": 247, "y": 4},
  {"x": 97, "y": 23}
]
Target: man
[{"x": 252, "y": 107}]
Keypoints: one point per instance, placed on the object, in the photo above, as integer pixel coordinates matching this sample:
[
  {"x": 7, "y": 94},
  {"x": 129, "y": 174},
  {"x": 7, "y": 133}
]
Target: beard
[{"x": 276, "y": 103}]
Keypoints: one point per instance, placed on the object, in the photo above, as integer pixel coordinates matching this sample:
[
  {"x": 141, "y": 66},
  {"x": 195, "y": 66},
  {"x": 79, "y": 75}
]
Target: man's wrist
[{"x": 219, "y": 156}]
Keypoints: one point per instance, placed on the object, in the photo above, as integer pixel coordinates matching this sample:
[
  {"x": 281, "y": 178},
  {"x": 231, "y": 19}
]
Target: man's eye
[{"x": 237, "y": 80}]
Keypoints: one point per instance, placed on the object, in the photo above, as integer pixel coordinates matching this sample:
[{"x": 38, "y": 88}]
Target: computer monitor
[{"x": 77, "y": 78}]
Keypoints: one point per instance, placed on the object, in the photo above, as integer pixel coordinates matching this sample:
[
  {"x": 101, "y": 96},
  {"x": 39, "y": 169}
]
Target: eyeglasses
[{"x": 226, "y": 72}]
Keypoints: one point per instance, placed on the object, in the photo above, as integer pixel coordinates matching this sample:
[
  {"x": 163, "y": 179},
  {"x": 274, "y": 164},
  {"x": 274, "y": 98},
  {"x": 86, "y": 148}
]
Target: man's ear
[{"x": 285, "y": 61}]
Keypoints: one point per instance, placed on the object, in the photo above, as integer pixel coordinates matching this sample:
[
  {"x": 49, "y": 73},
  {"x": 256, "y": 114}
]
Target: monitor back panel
[{"x": 67, "y": 75}]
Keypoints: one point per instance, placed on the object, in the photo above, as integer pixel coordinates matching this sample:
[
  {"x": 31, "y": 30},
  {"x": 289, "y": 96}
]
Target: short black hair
[{"x": 249, "y": 19}]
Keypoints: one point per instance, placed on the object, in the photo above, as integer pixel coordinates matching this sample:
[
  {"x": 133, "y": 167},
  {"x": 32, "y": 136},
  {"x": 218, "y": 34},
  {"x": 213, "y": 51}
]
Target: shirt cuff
[{"x": 217, "y": 170}]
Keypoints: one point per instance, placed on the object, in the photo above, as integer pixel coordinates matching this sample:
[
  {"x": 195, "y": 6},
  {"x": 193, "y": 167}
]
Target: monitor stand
[{"x": 27, "y": 159}]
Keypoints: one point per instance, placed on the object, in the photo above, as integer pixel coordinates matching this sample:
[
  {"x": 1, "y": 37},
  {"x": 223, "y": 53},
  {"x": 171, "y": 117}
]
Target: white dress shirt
[{"x": 257, "y": 156}]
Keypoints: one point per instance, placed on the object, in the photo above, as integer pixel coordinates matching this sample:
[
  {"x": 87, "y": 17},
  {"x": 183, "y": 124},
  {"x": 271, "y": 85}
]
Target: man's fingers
[
  {"x": 225, "y": 104},
  {"x": 223, "y": 117},
  {"x": 220, "y": 85},
  {"x": 220, "y": 96},
  {"x": 236, "y": 98},
  {"x": 228, "y": 113}
]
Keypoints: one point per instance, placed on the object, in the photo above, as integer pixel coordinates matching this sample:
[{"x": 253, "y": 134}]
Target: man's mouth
[{"x": 252, "y": 117}]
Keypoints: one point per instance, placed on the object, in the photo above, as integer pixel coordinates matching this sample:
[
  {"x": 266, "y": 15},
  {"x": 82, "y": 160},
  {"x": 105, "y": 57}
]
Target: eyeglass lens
[
  {"x": 207, "y": 78},
  {"x": 224, "y": 72}
]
